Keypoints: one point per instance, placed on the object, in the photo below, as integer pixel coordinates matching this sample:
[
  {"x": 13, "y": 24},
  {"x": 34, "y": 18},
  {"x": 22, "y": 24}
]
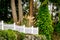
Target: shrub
[
  {"x": 20, "y": 36},
  {"x": 3, "y": 35},
  {"x": 7, "y": 35},
  {"x": 44, "y": 21},
  {"x": 11, "y": 35},
  {"x": 57, "y": 28}
]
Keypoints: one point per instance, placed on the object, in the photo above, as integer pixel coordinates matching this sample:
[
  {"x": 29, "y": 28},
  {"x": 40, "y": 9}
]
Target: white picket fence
[{"x": 30, "y": 30}]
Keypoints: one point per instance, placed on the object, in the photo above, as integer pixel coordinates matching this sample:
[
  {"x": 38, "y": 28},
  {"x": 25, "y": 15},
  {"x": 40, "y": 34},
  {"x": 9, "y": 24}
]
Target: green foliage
[
  {"x": 44, "y": 2},
  {"x": 9, "y": 21},
  {"x": 25, "y": 21},
  {"x": 57, "y": 28},
  {"x": 44, "y": 21},
  {"x": 20, "y": 36},
  {"x": 11, "y": 35},
  {"x": 55, "y": 1},
  {"x": 3, "y": 35},
  {"x": 7, "y": 35}
]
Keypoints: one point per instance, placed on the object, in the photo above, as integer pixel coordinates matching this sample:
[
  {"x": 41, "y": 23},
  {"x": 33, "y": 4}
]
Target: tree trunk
[
  {"x": 20, "y": 12},
  {"x": 31, "y": 7},
  {"x": 31, "y": 13},
  {"x": 14, "y": 11}
]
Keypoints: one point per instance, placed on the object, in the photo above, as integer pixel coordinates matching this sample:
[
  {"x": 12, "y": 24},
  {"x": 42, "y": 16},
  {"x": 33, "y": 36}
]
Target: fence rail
[{"x": 30, "y": 30}]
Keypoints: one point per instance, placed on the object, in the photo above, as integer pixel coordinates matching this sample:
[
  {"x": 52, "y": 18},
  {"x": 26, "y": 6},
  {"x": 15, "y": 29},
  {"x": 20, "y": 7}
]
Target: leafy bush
[
  {"x": 3, "y": 35},
  {"x": 20, "y": 36},
  {"x": 44, "y": 21},
  {"x": 57, "y": 28},
  {"x": 7, "y": 35},
  {"x": 11, "y": 35}
]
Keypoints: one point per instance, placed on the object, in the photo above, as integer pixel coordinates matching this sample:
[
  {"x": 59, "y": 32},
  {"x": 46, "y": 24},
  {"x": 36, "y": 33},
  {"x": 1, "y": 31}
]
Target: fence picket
[
  {"x": 32, "y": 29},
  {"x": 14, "y": 26},
  {"x": 2, "y": 26},
  {"x": 24, "y": 28}
]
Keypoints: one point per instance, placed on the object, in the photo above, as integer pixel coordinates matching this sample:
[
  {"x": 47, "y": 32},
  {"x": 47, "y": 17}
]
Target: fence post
[
  {"x": 37, "y": 30},
  {"x": 2, "y": 26},
  {"x": 24, "y": 28},
  {"x": 32, "y": 29},
  {"x": 14, "y": 26}
]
